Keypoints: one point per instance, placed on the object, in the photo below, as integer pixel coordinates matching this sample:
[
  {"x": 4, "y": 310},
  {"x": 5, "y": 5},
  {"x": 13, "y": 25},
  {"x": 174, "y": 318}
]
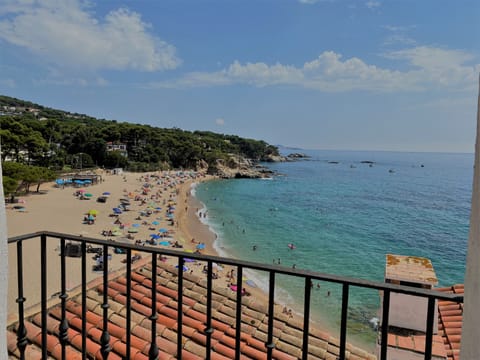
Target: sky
[{"x": 314, "y": 74}]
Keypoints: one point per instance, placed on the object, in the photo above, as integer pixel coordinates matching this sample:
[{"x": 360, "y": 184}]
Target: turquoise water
[{"x": 343, "y": 219}]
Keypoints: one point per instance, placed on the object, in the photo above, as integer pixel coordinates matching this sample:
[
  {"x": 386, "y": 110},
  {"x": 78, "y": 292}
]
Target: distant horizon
[{"x": 375, "y": 150}]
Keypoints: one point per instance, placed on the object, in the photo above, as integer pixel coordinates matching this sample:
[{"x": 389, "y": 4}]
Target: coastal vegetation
[{"x": 42, "y": 140}]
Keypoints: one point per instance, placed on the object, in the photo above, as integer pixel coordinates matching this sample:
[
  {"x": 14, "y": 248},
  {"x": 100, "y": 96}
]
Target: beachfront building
[
  {"x": 408, "y": 320},
  {"x": 120, "y": 148},
  {"x": 407, "y": 316}
]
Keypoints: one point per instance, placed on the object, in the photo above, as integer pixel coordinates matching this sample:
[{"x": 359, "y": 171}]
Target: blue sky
[{"x": 360, "y": 75}]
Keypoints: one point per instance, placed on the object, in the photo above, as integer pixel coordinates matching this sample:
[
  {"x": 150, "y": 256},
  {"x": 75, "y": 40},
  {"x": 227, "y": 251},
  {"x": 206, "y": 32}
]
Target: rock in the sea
[{"x": 297, "y": 156}]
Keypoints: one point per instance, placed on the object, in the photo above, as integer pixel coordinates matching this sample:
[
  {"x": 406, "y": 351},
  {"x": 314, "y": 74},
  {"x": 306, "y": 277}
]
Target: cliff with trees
[{"x": 42, "y": 141}]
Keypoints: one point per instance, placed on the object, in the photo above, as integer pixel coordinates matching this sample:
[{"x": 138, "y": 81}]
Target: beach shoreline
[{"x": 56, "y": 209}]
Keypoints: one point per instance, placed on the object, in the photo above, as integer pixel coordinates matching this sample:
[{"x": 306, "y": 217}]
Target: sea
[{"x": 344, "y": 211}]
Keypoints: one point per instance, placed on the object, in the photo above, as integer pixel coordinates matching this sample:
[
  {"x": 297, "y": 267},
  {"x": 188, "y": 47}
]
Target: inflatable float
[{"x": 291, "y": 246}]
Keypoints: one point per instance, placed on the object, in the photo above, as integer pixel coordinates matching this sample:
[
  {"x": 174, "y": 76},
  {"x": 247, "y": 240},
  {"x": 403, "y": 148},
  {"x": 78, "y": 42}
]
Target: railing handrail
[{"x": 402, "y": 289}]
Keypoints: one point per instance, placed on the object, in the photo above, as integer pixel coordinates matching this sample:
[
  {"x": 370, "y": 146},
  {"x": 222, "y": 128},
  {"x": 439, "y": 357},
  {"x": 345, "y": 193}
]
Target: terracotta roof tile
[
  {"x": 287, "y": 332},
  {"x": 450, "y": 321}
]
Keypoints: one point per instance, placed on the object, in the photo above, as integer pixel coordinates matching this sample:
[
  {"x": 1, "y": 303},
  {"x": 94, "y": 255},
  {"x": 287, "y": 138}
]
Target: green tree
[
  {"x": 10, "y": 187},
  {"x": 115, "y": 159}
]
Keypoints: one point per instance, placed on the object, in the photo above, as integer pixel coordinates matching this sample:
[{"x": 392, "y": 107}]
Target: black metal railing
[{"x": 273, "y": 271}]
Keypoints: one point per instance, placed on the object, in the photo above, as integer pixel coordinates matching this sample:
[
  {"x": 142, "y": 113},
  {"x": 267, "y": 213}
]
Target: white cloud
[
  {"x": 56, "y": 79},
  {"x": 220, "y": 122},
  {"x": 311, "y": 2},
  {"x": 372, "y": 4},
  {"x": 427, "y": 68},
  {"x": 66, "y": 33},
  {"x": 398, "y": 35}
]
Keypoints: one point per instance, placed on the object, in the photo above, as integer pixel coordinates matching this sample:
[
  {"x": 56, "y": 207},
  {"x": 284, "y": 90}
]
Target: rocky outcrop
[
  {"x": 289, "y": 157},
  {"x": 274, "y": 158},
  {"x": 297, "y": 156},
  {"x": 238, "y": 168}
]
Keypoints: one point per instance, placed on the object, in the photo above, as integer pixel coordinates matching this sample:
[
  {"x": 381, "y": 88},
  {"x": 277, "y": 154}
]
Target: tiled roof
[
  {"x": 287, "y": 331},
  {"x": 415, "y": 342},
  {"x": 410, "y": 268},
  {"x": 446, "y": 344},
  {"x": 450, "y": 322}
]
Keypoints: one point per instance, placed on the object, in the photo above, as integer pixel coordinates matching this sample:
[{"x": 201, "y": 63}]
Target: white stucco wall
[
  {"x": 410, "y": 312},
  {"x": 470, "y": 349}
]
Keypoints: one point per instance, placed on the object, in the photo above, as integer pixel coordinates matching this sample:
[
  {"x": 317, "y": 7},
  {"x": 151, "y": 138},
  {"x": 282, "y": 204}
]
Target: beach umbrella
[
  {"x": 164, "y": 243},
  {"x": 216, "y": 266},
  {"x": 155, "y": 236},
  {"x": 106, "y": 193},
  {"x": 155, "y": 222},
  {"x": 189, "y": 260},
  {"x": 184, "y": 268},
  {"x": 87, "y": 195},
  {"x": 163, "y": 230},
  {"x": 200, "y": 246},
  {"x": 93, "y": 212},
  {"x": 81, "y": 190},
  {"x": 158, "y": 208},
  {"x": 117, "y": 210},
  {"x": 136, "y": 225}
]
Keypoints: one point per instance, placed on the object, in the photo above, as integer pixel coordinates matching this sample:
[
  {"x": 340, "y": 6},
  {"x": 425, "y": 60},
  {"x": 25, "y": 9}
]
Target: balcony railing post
[
  {"x": 306, "y": 316},
  {"x": 84, "y": 300},
  {"x": 429, "y": 333},
  {"x": 238, "y": 320},
  {"x": 385, "y": 315},
  {"x": 208, "y": 328},
  {"x": 63, "y": 326},
  {"x": 181, "y": 262},
  {"x": 343, "y": 326},
  {"x": 105, "y": 338},
  {"x": 129, "y": 305},
  {"x": 43, "y": 266},
  {"x": 21, "y": 331},
  {"x": 153, "y": 352},
  {"x": 271, "y": 315}
]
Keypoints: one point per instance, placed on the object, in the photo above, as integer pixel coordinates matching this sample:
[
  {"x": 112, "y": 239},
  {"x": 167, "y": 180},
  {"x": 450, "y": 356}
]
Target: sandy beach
[{"x": 61, "y": 209}]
